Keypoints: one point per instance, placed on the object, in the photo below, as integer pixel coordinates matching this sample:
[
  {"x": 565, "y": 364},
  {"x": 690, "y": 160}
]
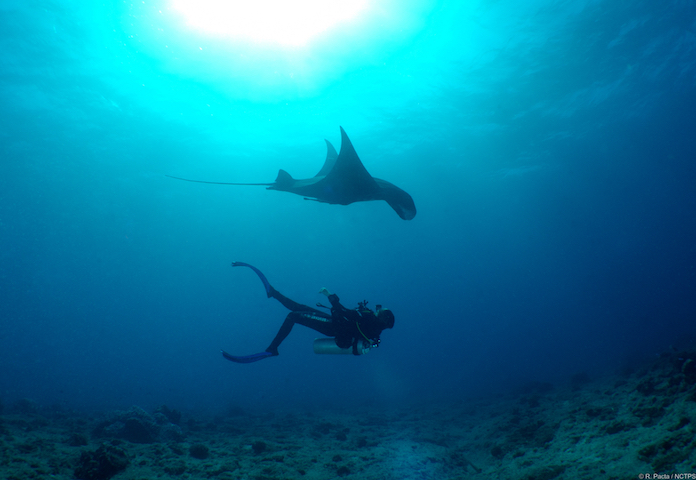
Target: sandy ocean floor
[{"x": 618, "y": 427}]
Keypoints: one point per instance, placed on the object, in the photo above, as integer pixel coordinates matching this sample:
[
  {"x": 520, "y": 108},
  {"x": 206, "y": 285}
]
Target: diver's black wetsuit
[{"x": 347, "y": 326}]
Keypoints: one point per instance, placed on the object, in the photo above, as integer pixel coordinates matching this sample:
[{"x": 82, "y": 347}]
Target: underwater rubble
[{"x": 637, "y": 421}]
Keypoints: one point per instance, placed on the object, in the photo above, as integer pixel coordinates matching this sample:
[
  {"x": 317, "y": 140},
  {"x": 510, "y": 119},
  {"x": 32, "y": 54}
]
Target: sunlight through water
[{"x": 289, "y": 23}]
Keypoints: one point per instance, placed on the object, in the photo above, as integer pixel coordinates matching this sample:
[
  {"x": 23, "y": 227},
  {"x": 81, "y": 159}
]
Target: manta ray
[{"x": 342, "y": 180}]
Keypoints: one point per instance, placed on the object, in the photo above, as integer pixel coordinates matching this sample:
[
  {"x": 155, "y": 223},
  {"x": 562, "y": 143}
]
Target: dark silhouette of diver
[{"x": 351, "y": 330}]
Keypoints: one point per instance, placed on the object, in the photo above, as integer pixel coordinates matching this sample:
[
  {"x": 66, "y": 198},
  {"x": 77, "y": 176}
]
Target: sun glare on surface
[{"x": 285, "y": 22}]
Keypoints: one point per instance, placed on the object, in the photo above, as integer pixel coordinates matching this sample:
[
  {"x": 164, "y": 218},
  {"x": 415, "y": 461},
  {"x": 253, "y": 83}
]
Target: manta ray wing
[
  {"x": 331, "y": 156},
  {"x": 348, "y": 181},
  {"x": 305, "y": 187}
]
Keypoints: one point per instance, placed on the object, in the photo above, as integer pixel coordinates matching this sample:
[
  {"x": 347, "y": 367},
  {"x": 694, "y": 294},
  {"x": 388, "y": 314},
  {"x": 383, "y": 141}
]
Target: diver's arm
[
  {"x": 333, "y": 298},
  {"x": 336, "y": 304}
]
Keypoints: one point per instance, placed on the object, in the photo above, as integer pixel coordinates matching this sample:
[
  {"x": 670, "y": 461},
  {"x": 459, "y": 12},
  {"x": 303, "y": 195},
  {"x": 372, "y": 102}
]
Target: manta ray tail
[{"x": 219, "y": 183}]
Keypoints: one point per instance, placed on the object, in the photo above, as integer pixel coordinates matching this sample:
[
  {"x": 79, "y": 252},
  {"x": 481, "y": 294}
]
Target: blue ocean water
[{"x": 549, "y": 147}]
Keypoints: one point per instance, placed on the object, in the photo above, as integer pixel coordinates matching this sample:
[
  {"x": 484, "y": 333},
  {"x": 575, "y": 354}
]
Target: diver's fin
[
  {"x": 263, "y": 278},
  {"x": 255, "y": 357}
]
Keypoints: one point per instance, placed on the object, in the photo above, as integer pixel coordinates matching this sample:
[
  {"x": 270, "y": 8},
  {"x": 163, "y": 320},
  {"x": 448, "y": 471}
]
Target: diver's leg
[
  {"x": 319, "y": 321},
  {"x": 282, "y": 334},
  {"x": 291, "y": 304}
]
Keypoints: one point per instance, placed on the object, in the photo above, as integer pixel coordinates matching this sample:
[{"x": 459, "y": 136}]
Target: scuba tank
[{"x": 327, "y": 345}]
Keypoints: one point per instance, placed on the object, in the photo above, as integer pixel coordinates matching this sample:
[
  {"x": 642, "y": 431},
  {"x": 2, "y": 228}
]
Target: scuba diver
[{"x": 348, "y": 331}]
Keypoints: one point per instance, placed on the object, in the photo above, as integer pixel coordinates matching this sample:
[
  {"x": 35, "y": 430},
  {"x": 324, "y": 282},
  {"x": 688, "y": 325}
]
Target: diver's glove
[{"x": 333, "y": 298}]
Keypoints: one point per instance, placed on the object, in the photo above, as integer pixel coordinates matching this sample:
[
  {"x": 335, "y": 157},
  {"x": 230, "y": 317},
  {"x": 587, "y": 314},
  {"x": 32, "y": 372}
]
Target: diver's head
[{"x": 385, "y": 316}]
